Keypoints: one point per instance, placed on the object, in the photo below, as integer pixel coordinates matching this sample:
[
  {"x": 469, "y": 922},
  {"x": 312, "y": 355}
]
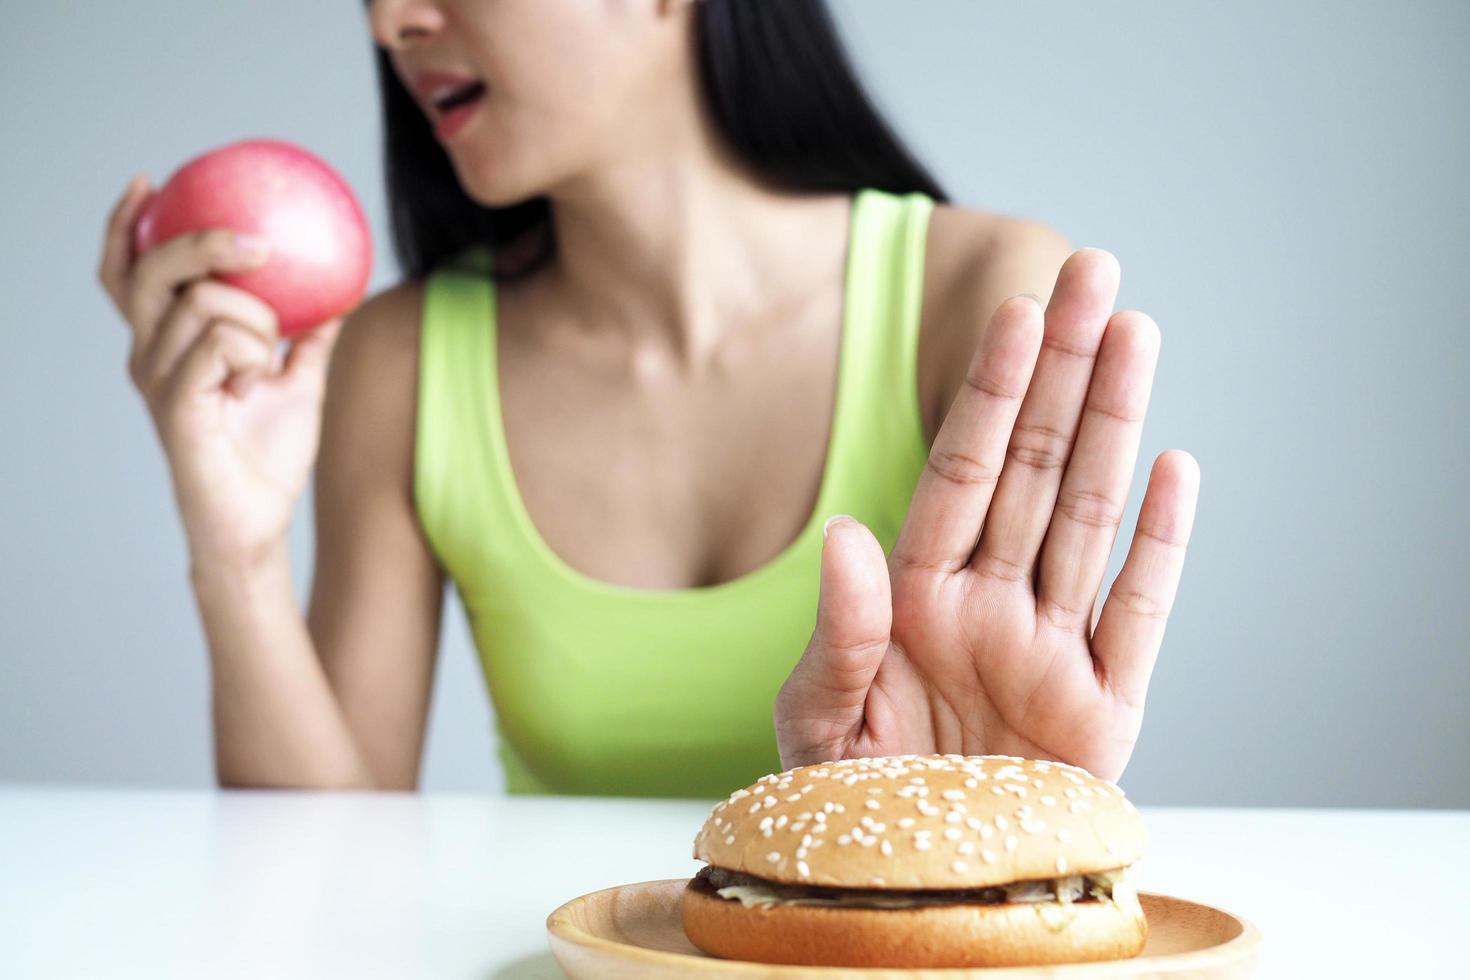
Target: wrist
[{"x": 210, "y": 567}]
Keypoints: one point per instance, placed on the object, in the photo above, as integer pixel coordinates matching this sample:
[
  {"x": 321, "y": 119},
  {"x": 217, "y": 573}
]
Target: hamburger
[{"x": 919, "y": 861}]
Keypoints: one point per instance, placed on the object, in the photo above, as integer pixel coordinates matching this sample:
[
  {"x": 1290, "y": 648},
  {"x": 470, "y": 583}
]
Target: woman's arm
[
  {"x": 377, "y": 596},
  {"x": 337, "y": 699}
]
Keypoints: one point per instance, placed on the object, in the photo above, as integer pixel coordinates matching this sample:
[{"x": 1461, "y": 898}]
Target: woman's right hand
[{"x": 239, "y": 422}]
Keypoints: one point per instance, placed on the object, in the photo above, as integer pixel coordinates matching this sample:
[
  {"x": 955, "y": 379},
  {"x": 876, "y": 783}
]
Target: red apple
[{"x": 321, "y": 249}]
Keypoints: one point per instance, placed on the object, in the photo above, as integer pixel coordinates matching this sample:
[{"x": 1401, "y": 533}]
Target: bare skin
[
  {"x": 976, "y": 635},
  {"x": 688, "y": 326}
]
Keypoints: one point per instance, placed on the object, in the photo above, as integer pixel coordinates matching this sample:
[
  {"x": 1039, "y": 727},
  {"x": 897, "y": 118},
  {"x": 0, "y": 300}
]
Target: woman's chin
[{"x": 489, "y": 185}]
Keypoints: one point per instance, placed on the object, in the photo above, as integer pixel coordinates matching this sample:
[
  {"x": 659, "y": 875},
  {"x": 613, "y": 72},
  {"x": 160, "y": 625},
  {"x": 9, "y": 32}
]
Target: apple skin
[{"x": 321, "y": 247}]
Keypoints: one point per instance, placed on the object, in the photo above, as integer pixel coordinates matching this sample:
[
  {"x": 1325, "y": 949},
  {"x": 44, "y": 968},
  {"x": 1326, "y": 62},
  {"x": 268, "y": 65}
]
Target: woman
[{"x": 675, "y": 295}]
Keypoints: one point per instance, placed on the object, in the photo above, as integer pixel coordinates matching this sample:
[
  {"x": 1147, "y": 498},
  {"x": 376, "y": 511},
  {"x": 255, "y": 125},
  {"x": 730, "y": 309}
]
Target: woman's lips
[{"x": 453, "y": 120}]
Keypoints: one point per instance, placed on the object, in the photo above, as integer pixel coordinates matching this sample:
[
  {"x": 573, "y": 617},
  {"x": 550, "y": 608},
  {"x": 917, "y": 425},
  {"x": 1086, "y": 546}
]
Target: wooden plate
[{"x": 636, "y": 931}]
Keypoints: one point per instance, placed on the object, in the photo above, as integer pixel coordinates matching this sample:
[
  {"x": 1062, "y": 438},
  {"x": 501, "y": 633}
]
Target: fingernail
[
  {"x": 835, "y": 517},
  {"x": 1033, "y": 296},
  {"x": 251, "y": 247}
]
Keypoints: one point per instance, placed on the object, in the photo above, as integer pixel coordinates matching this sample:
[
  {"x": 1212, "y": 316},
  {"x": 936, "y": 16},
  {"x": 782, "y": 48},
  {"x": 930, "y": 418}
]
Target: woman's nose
[{"x": 398, "y": 24}]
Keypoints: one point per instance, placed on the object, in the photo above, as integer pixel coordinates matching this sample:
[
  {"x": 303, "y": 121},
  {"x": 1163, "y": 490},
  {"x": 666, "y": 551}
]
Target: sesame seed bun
[
  {"x": 937, "y": 824},
  {"x": 1021, "y": 819},
  {"x": 920, "y": 938}
]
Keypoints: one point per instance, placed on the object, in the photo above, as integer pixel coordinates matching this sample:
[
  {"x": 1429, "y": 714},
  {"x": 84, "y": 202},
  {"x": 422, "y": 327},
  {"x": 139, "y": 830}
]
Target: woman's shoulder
[
  {"x": 372, "y": 382},
  {"x": 970, "y": 239},
  {"x": 383, "y": 331},
  {"x": 973, "y": 260}
]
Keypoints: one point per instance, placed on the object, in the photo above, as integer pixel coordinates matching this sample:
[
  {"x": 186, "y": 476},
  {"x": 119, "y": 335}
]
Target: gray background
[{"x": 1284, "y": 184}]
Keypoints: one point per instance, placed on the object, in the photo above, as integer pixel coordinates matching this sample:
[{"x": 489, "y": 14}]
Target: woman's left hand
[{"x": 976, "y": 635}]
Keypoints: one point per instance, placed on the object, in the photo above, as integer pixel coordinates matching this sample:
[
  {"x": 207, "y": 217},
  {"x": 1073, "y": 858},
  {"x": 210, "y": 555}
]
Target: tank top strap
[
  {"x": 883, "y": 444},
  {"x": 455, "y": 435}
]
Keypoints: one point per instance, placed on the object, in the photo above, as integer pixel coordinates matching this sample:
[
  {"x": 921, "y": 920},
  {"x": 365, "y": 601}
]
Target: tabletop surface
[{"x": 204, "y": 883}]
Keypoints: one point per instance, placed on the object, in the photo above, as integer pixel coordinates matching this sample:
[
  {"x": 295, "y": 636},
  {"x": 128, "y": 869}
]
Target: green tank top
[{"x": 605, "y": 689}]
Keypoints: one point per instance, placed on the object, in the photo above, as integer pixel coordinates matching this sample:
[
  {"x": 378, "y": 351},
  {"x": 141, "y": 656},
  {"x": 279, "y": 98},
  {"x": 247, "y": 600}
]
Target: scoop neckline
[{"x": 579, "y": 579}]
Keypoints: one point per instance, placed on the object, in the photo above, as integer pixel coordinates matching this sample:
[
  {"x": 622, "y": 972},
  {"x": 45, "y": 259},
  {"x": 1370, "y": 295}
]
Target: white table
[{"x": 133, "y": 883}]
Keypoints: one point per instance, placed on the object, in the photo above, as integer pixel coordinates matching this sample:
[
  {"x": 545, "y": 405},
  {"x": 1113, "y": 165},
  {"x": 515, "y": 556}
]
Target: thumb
[
  {"x": 822, "y": 701},
  {"x": 311, "y": 351},
  {"x": 855, "y": 611}
]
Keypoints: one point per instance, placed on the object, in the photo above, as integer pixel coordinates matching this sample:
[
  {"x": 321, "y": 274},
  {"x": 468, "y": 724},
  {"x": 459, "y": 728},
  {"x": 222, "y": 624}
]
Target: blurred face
[{"x": 568, "y": 85}]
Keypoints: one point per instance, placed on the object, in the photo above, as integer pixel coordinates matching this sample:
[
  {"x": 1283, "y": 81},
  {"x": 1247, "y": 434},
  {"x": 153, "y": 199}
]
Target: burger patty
[{"x": 752, "y": 890}]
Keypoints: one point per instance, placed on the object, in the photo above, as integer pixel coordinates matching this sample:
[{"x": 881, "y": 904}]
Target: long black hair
[{"x": 777, "y": 83}]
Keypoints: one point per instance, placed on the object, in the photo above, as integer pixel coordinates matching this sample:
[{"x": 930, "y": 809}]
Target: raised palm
[{"x": 976, "y": 635}]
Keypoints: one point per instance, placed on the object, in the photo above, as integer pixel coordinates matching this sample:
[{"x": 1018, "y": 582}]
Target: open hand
[{"x": 976, "y": 636}]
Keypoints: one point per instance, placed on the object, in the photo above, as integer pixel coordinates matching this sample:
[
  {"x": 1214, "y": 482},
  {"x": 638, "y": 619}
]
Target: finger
[
  {"x": 311, "y": 352},
  {"x": 161, "y": 271},
  {"x": 1094, "y": 490},
  {"x": 1131, "y": 628},
  {"x": 854, "y": 615},
  {"x": 954, "y": 490},
  {"x": 1046, "y": 427},
  {"x": 117, "y": 241},
  {"x": 201, "y": 302},
  {"x": 223, "y": 349}
]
